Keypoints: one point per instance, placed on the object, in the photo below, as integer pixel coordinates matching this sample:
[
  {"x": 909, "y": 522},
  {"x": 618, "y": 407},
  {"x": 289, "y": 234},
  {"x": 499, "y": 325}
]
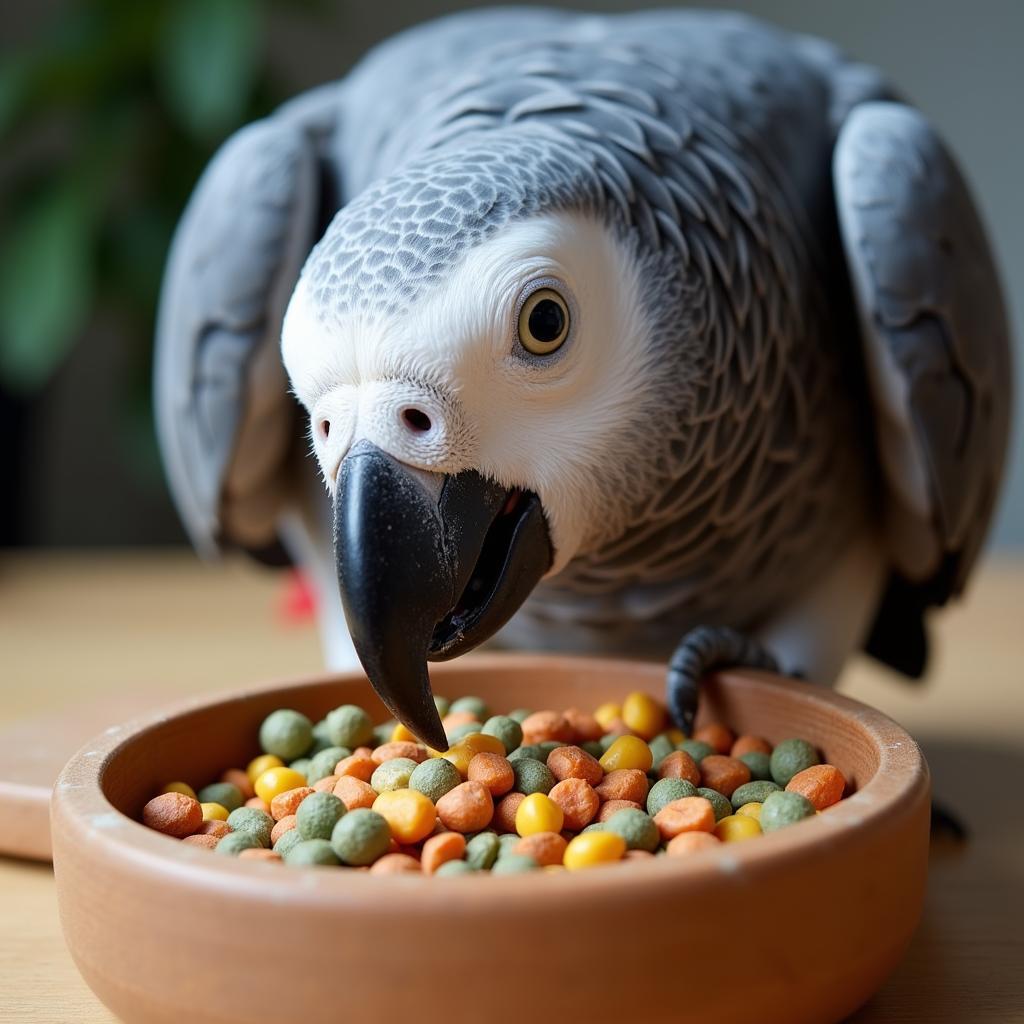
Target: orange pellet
[
  {"x": 637, "y": 855},
  {"x": 623, "y": 784},
  {"x": 288, "y": 802},
  {"x": 610, "y": 807},
  {"x": 174, "y": 814},
  {"x": 493, "y": 771},
  {"x": 544, "y": 847},
  {"x": 691, "y": 842},
  {"x": 578, "y": 800},
  {"x": 353, "y": 792},
  {"x": 206, "y": 841},
  {"x": 575, "y": 763},
  {"x": 583, "y": 724},
  {"x": 547, "y": 725},
  {"x": 457, "y": 718},
  {"x": 723, "y": 773},
  {"x": 679, "y": 765},
  {"x": 399, "y": 748},
  {"x": 466, "y": 808},
  {"x": 440, "y": 849},
  {"x": 822, "y": 784},
  {"x": 505, "y": 812},
  {"x": 240, "y": 779},
  {"x": 258, "y": 804},
  {"x": 688, "y": 814},
  {"x": 213, "y": 828},
  {"x": 286, "y": 824},
  {"x": 259, "y": 854},
  {"x": 358, "y": 765},
  {"x": 750, "y": 745},
  {"x": 717, "y": 736},
  {"x": 326, "y": 784},
  {"x": 396, "y": 864}
]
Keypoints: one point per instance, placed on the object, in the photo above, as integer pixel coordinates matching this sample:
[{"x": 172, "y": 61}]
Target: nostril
[
  {"x": 325, "y": 429},
  {"x": 416, "y": 420}
]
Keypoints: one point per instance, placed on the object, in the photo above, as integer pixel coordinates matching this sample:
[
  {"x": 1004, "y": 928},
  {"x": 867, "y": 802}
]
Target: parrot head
[{"x": 478, "y": 357}]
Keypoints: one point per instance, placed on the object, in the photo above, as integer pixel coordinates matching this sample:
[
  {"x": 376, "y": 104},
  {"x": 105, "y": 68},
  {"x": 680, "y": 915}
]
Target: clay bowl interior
[{"x": 799, "y": 925}]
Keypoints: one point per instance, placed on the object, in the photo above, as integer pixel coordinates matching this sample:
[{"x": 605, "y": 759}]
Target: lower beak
[{"x": 429, "y": 567}]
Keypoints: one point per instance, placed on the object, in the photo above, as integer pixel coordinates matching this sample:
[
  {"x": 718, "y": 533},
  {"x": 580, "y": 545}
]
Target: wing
[
  {"x": 936, "y": 343},
  {"x": 226, "y": 422}
]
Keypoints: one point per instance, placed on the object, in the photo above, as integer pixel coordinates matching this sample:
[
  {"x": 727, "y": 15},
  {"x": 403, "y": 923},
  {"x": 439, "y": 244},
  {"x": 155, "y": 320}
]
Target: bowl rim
[{"x": 82, "y": 813}]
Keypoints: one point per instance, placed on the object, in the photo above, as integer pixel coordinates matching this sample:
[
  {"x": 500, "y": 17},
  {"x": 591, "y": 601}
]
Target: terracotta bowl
[{"x": 800, "y": 925}]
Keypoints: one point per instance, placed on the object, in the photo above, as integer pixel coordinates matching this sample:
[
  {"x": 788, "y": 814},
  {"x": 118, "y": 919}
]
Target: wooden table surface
[{"x": 76, "y": 626}]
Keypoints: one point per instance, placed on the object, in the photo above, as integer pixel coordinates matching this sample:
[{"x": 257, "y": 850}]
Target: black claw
[{"x": 947, "y": 825}]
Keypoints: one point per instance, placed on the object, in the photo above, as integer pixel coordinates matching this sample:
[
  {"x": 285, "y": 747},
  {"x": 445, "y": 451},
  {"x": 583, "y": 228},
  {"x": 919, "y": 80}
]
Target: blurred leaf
[
  {"x": 45, "y": 285},
  {"x": 209, "y": 61},
  {"x": 15, "y": 84}
]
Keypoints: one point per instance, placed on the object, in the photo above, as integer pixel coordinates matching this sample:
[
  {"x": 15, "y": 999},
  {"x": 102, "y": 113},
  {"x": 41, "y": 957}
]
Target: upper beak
[{"x": 429, "y": 566}]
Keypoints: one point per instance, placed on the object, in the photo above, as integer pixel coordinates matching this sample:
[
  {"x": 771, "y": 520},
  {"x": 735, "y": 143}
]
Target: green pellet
[
  {"x": 593, "y": 748},
  {"x": 287, "y": 734},
  {"x": 434, "y": 777},
  {"x": 257, "y": 823},
  {"x": 607, "y": 740},
  {"x": 752, "y": 792},
  {"x": 322, "y": 764},
  {"x": 311, "y": 852},
  {"x": 360, "y": 837},
  {"x": 514, "y": 864},
  {"x": 349, "y": 726},
  {"x": 790, "y": 757},
  {"x": 382, "y": 733},
  {"x": 719, "y": 803},
  {"x": 482, "y": 850},
  {"x": 506, "y": 843},
  {"x": 664, "y": 791},
  {"x": 545, "y": 747},
  {"x": 317, "y": 815},
  {"x": 235, "y": 842},
  {"x": 520, "y": 714},
  {"x": 227, "y": 794},
  {"x": 451, "y": 868},
  {"x": 506, "y": 729},
  {"x": 532, "y": 776},
  {"x": 531, "y": 750},
  {"x": 301, "y": 765},
  {"x": 287, "y": 841},
  {"x": 594, "y": 826},
  {"x": 636, "y": 827},
  {"x": 460, "y": 732},
  {"x": 697, "y": 749},
  {"x": 443, "y": 704},
  {"x": 760, "y": 765},
  {"x": 781, "y": 809},
  {"x": 476, "y": 706},
  {"x": 321, "y": 739},
  {"x": 661, "y": 746},
  {"x": 394, "y": 774}
]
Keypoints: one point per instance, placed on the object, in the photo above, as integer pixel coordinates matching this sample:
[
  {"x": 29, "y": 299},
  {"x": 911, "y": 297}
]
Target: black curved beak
[{"x": 429, "y": 566}]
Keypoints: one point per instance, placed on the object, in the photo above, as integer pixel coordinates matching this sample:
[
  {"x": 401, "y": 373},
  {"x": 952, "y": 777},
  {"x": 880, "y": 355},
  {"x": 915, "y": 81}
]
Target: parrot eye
[{"x": 543, "y": 322}]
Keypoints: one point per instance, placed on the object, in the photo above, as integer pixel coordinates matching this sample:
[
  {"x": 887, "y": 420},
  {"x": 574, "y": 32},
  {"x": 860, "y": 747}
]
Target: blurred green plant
[{"x": 110, "y": 116}]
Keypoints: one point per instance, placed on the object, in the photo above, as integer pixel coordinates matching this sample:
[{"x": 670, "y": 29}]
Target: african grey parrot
[{"x": 611, "y": 331}]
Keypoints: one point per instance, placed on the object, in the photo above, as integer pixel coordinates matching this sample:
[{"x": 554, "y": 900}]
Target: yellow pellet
[
  {"x": 410, "y": 814},
  {"x": 214, "y": 812},
  {"x": 627, "y": 752},
  {"x": 592, "y": 848},
  {"x": 469, "y": 746},
  {"x": 676, "y": 735},
  {"x": 608, "y": 713},
  {"x": 538, "y": 813},
  {"x": 180, "y": 787},
  {"x": 751, "y": 810},
  {"x": 402, "y": 734},
  {"x": 275, "y": 781},
  {"x": 737, "y": 827},
  {"x": 261, "y": 764},
  {"x": 643, "y": 714}
]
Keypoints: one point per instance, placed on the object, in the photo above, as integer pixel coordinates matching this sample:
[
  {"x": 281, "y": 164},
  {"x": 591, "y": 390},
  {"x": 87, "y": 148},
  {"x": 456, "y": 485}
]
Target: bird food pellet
[{"x": 530, "y": 791}]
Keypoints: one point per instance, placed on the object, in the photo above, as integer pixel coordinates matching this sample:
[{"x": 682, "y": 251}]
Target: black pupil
[{"x": 547, "y": 320}]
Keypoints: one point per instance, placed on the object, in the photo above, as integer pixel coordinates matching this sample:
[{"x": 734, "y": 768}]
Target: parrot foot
[{"x": 703, "y": 650}]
